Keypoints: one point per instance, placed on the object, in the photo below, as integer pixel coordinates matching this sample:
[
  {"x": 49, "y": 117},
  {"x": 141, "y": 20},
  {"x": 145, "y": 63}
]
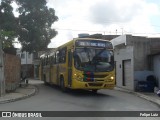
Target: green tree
[
  {"x": 7, "y": 24},
  {"x": 34, "y": 24}
]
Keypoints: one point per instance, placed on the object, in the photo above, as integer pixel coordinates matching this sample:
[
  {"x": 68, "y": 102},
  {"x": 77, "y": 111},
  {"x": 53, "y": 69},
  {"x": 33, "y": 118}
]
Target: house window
[
  {"x": 23, "y": 56},
  {"x": 19, "y": 55},
  {"x": 29, "y": 55}
]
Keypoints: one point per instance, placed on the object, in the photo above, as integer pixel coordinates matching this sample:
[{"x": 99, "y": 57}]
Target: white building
[
  {"x": 135, "y": 60},
  {"x": 27, "y": 66},
  {"x": 156, "y": 66},
  {"x": 26, "y": 58}
]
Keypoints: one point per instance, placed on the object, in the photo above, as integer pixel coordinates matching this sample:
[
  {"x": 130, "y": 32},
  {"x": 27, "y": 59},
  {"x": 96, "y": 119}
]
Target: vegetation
[
  {"x": 32, "y": 27},
  {"x": 7, "y": 24}
]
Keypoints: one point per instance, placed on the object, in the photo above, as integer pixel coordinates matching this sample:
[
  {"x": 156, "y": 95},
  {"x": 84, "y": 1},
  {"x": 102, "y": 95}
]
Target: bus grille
[
  {"x": 95, "y": 84},
  {"x": 100, "y": 76}
]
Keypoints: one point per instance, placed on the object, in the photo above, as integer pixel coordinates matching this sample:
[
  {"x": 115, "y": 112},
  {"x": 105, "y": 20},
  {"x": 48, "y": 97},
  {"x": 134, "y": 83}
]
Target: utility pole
[
  {"x": 2, "y": 80},
  {"x": 122, "y": 31}
]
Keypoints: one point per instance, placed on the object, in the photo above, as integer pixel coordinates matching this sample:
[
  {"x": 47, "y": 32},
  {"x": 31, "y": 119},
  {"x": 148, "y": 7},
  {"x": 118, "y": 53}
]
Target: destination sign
[{"x": 93, "y": 43}]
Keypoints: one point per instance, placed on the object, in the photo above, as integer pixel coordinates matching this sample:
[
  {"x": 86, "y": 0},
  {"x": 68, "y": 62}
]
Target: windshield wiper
[
  {"x": 96, "y": 56},
  {"x": 88, "y": 55}
]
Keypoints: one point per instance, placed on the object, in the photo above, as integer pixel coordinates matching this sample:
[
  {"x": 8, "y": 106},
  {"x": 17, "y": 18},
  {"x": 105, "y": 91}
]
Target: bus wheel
[
  {"x": 94, "y": 90},
  {"x": 63, "y": 88}
]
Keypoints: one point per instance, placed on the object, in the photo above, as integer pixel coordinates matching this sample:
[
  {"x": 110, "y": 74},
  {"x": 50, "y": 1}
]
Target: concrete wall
[
  {"x": 12, "y": 67},
  {"x": 119, "y": 40},
  {"x": 137, "y": 49},
  {"x": 141, "y": 52},
  {"x": 125, "y": 53},
  {"x": 154, "y": 45},
  {"x": 122, "y": 51},
  {"x": 156, "y": 68},
  {"x": 141, "y": 61},
  {"x": 144, "y": 50}
]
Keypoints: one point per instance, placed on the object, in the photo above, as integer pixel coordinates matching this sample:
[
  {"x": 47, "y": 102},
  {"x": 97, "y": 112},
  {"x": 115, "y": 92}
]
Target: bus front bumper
[{"x": 92, "y": 85}]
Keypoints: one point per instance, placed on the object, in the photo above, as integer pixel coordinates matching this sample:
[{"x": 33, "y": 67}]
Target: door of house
[{"x": 126, "y": 81}]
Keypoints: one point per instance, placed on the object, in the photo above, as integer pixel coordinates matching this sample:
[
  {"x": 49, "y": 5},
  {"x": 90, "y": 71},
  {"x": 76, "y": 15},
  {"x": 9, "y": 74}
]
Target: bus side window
[
  {"x": 41, "y": 61},
  {"x": 57, "y": 57},
  {"x": 52, "y": 60},
  {"x": 63, "y": 55},
  {"x": 44, "y": 61},
  {"x": 47, "y": 60}
]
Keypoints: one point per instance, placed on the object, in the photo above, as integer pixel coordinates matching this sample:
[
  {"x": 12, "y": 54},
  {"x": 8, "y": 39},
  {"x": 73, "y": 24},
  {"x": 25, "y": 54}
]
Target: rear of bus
[{"x": 93, "y": 65}]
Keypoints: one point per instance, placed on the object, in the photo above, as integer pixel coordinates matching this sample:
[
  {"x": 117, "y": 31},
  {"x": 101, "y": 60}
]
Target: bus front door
[{"x": 69, "y": 68}]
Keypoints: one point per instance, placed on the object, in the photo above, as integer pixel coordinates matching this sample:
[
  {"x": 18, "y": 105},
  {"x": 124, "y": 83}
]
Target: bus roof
[
  {"x": 74, "y": 39},
  {"x": 70, "y": 43}
]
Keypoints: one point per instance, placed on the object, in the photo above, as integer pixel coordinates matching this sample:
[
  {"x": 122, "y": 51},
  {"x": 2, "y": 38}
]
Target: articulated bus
[{"x": 83, "y": 63}]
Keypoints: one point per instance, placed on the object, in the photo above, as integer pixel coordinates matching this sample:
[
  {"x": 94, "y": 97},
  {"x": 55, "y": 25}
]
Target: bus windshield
[{"x": 93, "y": 59}]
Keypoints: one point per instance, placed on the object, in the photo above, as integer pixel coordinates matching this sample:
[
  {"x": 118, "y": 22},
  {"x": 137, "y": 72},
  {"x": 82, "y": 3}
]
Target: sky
[
  {"x": 107, "y": 17},
  {"x": 136, "y": 17}
]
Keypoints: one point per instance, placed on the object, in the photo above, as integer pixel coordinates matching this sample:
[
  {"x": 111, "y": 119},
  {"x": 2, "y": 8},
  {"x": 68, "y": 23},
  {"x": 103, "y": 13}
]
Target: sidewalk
[
  {"x": 31, "y": 89},
  {"x": 152, "y": 97},
  {"x": 21, "y": 92}
]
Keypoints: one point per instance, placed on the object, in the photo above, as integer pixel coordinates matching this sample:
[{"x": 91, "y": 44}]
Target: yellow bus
[{"x": 82, "y": 63}]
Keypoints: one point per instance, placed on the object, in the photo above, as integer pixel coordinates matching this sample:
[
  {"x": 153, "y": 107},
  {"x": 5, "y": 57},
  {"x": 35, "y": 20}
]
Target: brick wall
[{"x": 12, "y": 67}]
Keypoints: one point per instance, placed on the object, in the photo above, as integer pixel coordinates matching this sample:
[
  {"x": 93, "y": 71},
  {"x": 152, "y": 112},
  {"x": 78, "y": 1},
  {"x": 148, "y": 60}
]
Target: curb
[
  {"x": 35, "y": 91},
  {"x": 151, "y": 99}
]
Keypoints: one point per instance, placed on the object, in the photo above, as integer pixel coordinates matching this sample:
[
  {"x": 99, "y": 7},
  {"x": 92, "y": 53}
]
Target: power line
[
  {"x": 116, "y": 32},
  {"x": 77, "y": 30}
]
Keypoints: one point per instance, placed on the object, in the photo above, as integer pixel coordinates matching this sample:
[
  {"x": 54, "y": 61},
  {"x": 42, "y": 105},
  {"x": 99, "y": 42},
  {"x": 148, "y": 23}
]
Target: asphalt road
[{"x": 50, "y": 98}]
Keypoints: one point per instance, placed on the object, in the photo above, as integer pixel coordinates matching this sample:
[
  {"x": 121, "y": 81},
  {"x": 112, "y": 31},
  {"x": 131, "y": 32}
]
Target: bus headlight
[
  {"x": 78, "y": 77},
  {"x": 112, "y": 78}
]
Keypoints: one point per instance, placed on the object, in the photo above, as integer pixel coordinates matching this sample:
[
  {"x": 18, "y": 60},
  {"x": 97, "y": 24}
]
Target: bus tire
[
  {"x": 94, "y": 90},
  {"x": 62, "y": 85}
]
